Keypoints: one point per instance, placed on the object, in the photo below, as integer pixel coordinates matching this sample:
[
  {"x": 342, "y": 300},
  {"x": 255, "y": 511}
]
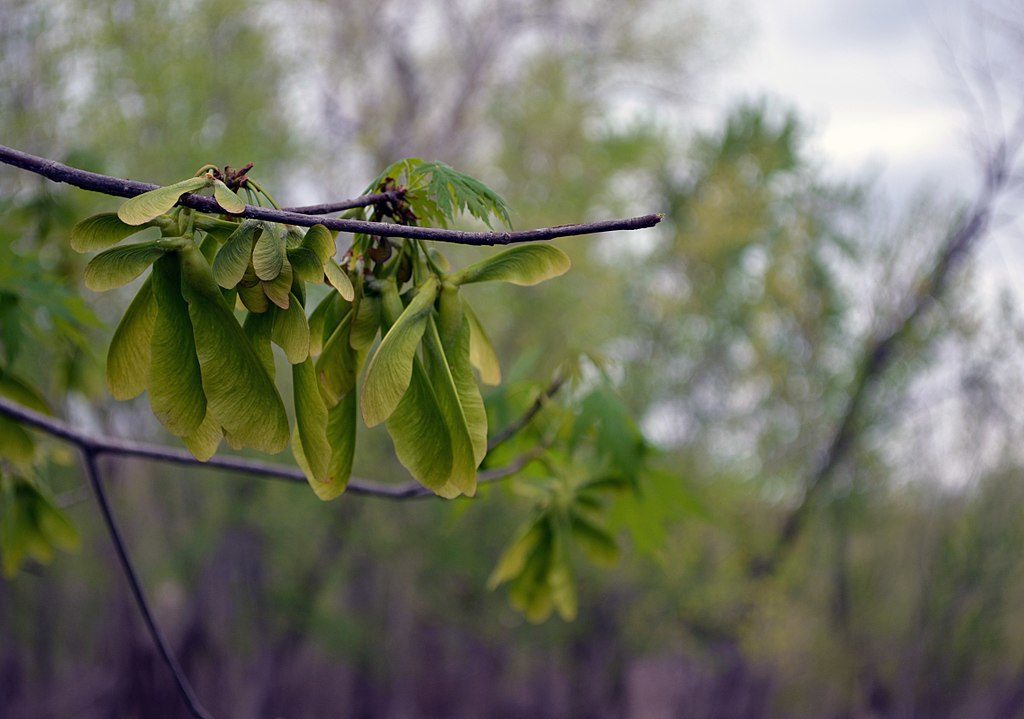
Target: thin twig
[
  {"x": 517, "y": 426},
  {"x": 105, "y": 184},
  {"x": 93, "y": 473},
  {"x": 361, "y": 201},
  {"x": 128, "y": 448}
]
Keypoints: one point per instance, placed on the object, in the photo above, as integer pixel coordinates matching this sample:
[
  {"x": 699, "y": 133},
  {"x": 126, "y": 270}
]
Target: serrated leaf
[
  {"x": 100, "y": 232},
  {"x": 523, "y": 265},
  {"x": 291, "y": 331},
  {"x": 310, "y": 439},
  {"x": 268, "y": 256},
  {"x": 462, "y": 479},
  {"x": 338, "y": 365},
  {"x": 119, "y": 266},
  {"x": 205, "y": 440},
  {"x": 239, "y": 393},
  {"x": 130, "y": 351},
  {"x": 279, "y": 289},
  {"x": 387, "y": 376},
  {"x": 226, "y": 198},
  {"x": 339, "y": 280},
  {"x": 481, "y": 351},
  {"x": 149, "y": 205},
  {"x": 420, "y": 434},
  {"x": 233, "y": 258},
  {"x": 320, "y": 242},
  {"x": 175, "y": 384}
]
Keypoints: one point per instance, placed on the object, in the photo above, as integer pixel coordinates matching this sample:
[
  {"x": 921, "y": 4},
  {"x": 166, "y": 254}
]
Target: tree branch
[
  {"x": 105, "y": 184},
  {"x": 517, "y": 426},
  {"x": 361, "y": 201},
  {"x": 97, "y": 446},
  {"x": 880, "y": 350},
  {"x": 93, "y": 473}
]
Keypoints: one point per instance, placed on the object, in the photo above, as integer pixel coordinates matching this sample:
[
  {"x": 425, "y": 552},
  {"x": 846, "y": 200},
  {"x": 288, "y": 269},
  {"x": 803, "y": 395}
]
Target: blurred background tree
[{"x": 732, "y": 332}]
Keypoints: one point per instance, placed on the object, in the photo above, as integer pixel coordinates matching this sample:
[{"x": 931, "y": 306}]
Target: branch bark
[
  {"x": 117, "y": 187},
  {"x": 92, "y": 471},
  {"x": 361, "y": 201},
  {"x": 97, "y": 446}
]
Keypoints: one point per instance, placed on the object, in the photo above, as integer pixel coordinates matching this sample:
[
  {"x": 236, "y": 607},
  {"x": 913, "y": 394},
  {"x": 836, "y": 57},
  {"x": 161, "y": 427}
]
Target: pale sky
[{"x": 869, "y": 78}]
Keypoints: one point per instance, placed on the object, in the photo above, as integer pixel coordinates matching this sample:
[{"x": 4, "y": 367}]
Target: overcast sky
[{"x": 869, "y": 78}]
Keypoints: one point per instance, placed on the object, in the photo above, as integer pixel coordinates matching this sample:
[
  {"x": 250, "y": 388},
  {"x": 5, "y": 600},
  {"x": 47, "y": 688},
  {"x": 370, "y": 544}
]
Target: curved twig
[
  {"x": 92, "y": 471},
  {"x": 117, "y": 187},
  {"x": 127, "y": 448},
  {"x": 361, "y": 201},
  {"x": 517, "y": 426}
]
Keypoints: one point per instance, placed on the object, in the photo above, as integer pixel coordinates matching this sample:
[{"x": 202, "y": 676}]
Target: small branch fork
[
  {"x": 309, "y": 216},
  {"x": 93, "y": 447}
]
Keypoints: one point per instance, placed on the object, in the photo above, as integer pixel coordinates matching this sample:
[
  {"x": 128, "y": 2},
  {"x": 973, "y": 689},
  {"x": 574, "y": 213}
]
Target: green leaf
[
  {"x": 387, "y": 376},
  {"x": 420, "y": 434},
  {"x": 338, "y": 364},
  {"x": 481, "y": 351},
  {"x": 529, "y": 591},
  {"x": 226, "y": 198},
  {"x": 339, "y": 280},
  {"x": 18, "y": 390},
  {"x": 233, "y": 258},
  {"x": 279, "y": 289},
  {"x": 366, "y": 322},
  {"x": 130, "y": 352},
  {"x": 457, "y": 351},
  {"x": 320, "y": 242},
  {"x": 595, "y": 540},
  {"x": 16, "y": 444},
  {"x": 321, "y": 319},
  {"x": 119, "y": 266},
  {"x": 100, "y": 232},
  {"x": 175, "y": 383},
  {"x": 291, "y": 332},
  {"x": 259, "y": 328},
  {"x": 310, "y": 439},
  {"x": 254, "y": 298},
  {"x": 523, "y": 265},
  {"x": 205, "y": 440},
  {"x": 55, "y": 525},
  {"x": 306, "y": 265},
  {"x": 513, "y": 560},
  {"x": 239, "y": 393},
  {"x": 268, "y": 256},
  {"x": 560, "y": 578},
  {"x": 341, "y": 435},
  {"x": 152, "y": 204},
  {"x": 462, "y": 479}
]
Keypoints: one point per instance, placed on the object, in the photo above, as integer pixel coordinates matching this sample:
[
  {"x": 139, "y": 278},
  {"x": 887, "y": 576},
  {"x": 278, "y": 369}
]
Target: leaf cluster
[{"x": 223, "y": 290}]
